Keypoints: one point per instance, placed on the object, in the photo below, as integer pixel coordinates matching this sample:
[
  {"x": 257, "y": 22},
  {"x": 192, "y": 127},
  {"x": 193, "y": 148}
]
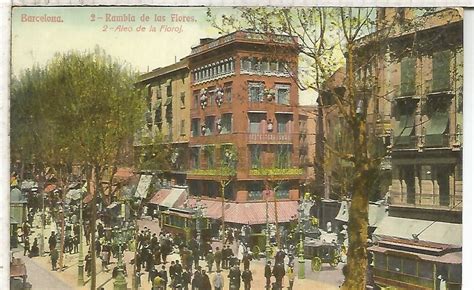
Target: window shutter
[
  {"x": 408, "y": 76},
  {"x": 441, "y": 69}
]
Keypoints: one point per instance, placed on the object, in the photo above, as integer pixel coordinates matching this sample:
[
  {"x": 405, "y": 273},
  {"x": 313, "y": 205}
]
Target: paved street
[{"x": 42, "y": 278}]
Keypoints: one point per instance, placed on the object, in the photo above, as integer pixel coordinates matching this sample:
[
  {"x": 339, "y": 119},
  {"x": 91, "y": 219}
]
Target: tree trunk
[
  {"x": 61, "y": 243},
  {"x": 277, "y": 228},
  {"x": 92, "y": 226},
  {"x": 357, "y": 231},
  {"x": 358, "y": 211},
  {"x": 223, "y": 211},
  {"x": 319, "y": 173}
]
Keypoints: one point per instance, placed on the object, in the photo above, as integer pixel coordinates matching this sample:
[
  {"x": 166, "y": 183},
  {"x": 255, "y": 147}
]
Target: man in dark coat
[
  {"x": 195, "y": 255},
  {"x": 197, "y": 279},
  {"x": 234, "y": 278},
  {"x": 164, "y": 275},
  {"x": 268, "y": 274},
  {"x": 185, "y": 279},
  {"x": 279, "y": 273},
  {"x": 52, "y": 241},
  {"x": 205, "y": 281},
  {"x": 218, "y": 258},
  {"x": 280, "y": 257},
  {"x": 88, "y": 265},
  {"x": 178, "y": 268},
  {"x": 247, "y": 279},
  {"x": 246, "y": 260},
  {"x": 172, "y": 270}
]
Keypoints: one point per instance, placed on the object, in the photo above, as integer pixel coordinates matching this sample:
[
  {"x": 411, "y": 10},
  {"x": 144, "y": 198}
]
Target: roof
[
  {"x": 182, "y": 64},
  {"x": 431, "y": 231},
  {"x": 249, "y": 212},
  {"x": 448, "y": 258},
  {"x": 243, "y": 36}
]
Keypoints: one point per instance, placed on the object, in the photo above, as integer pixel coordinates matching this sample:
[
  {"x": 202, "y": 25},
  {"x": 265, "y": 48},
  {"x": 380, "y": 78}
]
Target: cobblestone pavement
[{"x": 42, "y": 278}]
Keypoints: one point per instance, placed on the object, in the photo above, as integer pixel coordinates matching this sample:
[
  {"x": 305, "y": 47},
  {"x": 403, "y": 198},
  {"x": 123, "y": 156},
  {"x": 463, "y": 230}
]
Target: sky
[{"x": 34, "y": 41}]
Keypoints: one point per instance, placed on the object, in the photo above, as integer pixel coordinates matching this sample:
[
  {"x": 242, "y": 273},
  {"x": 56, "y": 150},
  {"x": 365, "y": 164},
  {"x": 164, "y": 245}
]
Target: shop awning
[
  {"x": 431, "y": 231},
  {"x": 143, "y": 185},
  {"x": 253, "y": 213},
  {"x": 377, "y": 212},
  {"x": 176, "y": 196},
  {"x": 343, "y": 214},
  {"x": 435, "y": 128},
  {"x": 159, "y": 196},
  {"x": 403, "y": 129}
]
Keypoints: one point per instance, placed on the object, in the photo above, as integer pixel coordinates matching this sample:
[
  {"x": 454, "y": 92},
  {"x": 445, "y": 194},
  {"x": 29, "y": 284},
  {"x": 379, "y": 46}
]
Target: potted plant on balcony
[
  {"x": 269, "y": 95},
  {"x": 203, "y": 98},
  {"x": 219, "y": 96}
]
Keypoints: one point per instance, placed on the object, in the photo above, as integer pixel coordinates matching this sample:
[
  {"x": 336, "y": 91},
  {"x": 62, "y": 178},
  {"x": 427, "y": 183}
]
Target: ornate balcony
[{"x": 269, "y": 138}]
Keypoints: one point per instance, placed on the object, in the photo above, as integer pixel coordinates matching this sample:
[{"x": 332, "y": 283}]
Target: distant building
[
  {"x": 420, "y": 75},
  {"x": 166, "y": 91}
]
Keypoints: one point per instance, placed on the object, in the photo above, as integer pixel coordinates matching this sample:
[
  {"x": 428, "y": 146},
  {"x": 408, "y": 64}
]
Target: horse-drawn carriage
[{"x": 319, "y": 252}]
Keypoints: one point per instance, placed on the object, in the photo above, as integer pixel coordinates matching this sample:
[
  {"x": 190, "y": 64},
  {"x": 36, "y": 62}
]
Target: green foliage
[
  {"x": 80, "y": 107},
  {"x": 276, "y": 171}
]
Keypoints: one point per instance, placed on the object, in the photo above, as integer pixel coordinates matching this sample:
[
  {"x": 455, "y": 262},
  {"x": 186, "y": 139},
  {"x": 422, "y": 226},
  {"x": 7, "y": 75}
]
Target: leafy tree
[
  {"x": 83, "y": 107},
  {"x": 328, "y": 38}
]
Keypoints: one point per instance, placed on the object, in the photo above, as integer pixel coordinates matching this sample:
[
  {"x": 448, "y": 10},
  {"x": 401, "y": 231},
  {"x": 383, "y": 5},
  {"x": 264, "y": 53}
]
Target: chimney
[{"x": 205, "y": 40}]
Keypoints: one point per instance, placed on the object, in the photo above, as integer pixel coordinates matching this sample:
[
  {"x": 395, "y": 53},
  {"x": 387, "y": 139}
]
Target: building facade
[
  {"x": 419, "y": 244},
  {"x": 167, "y": 95},
  {"x": 244, "y": 101}
]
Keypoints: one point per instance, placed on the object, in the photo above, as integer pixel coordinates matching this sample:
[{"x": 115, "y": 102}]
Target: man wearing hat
[
  {"x": 268, "y": 274},
  {"x": 210, "y": 260}
]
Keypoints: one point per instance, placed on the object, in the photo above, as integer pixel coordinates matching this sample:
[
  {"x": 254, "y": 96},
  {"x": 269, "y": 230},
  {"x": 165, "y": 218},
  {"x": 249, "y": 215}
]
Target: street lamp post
[
  {"x": 80, "y": 267},
  {"x": 120, "y": 282},
  {"x": 267, "y": 231},
  {"x": 301, "y": 261},
  {"x": 198, "y": 215}
]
